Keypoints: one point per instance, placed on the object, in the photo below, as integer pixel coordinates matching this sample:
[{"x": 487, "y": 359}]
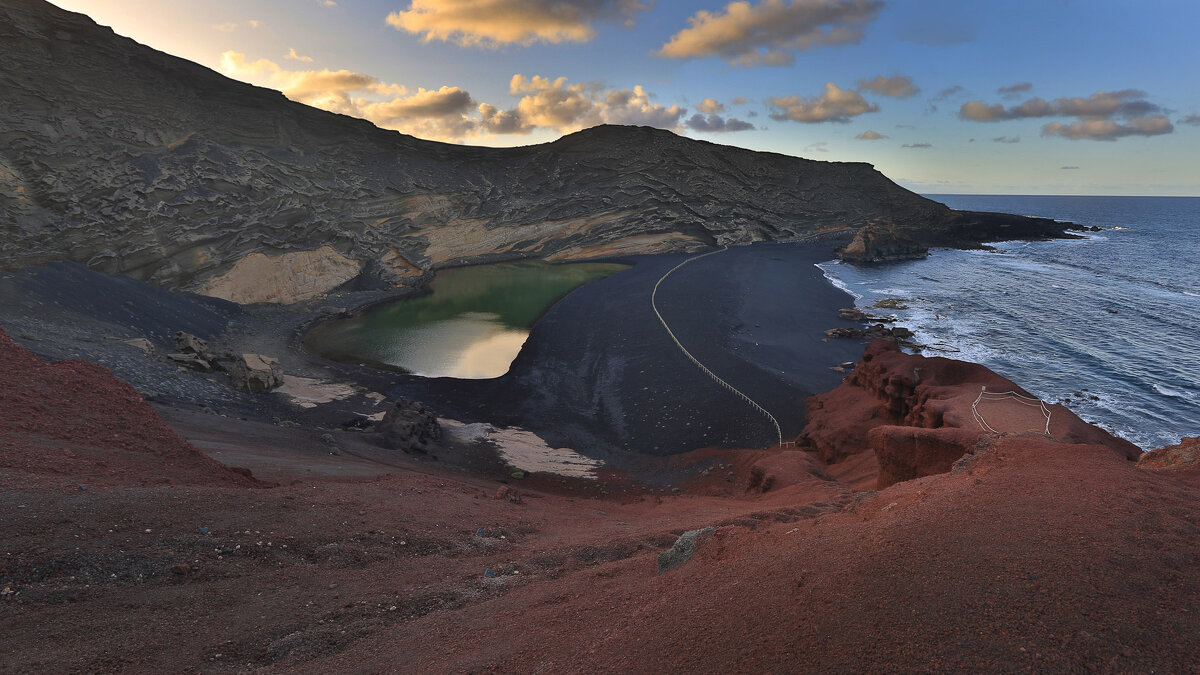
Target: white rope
[
  {"x": 706, "y": 371},
  {"x": 1001, "y": 395}
]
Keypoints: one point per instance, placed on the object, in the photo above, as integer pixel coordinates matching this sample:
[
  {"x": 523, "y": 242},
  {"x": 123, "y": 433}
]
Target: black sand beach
[{"x": 599, "y": 374}]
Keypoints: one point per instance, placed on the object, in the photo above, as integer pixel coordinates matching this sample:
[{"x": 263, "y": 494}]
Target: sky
[{"x": 942, "y": 96}]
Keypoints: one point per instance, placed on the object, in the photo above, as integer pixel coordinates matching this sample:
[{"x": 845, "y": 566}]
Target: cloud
[
  {"x": 833, "y": 105},
  {"x": 253, "y": 24},
  {"x": 490, "y": 23},
  {"x": 819, "y": 146},
  {"x": 225, "y": 27},
  {"x": 450, "y": 113},
  {"x": 1190, "y": 120},
  {"x": 917, "y": 145},
  {"x": 1103, "y": 116},
  {"x": 1100, "y": 105},
  {"x": 1109, "y": 130},
  {"x": 716, "y": 124},
  {"x": 869, "y": 135},
  {"x": 1007, "y": 139},
  {"x": 296, "y": 57},
  {"x": 740, "y": 100},
  {"x": 711, "y": 106},
  {"x": 329, "y": 3},
  {"x": 768, "y": 33},
  {"x": 567, "y": 107},
  {"x": 441, "y": 102},
  {"x": 1067, "y": 168},
  {"x": 1013, "y": 90},
  {"x": 897, "y": 86},
  {"x": 943, "y": 95},
  {"x": 331, "y": 90}
]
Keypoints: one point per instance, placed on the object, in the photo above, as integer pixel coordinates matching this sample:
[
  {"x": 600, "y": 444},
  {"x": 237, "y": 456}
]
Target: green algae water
[{"x": 471, "y": 324}]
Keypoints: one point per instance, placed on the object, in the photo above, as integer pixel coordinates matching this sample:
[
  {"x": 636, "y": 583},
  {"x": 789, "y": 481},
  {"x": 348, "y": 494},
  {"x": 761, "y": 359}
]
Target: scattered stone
[
  {"x": 507, "y": 493},
  {"x": 683, "y": 549},
  {"x": 180, "y": 569},
  {"x": 489, "y": 573},
  {"x": 256, "y": 373},
  {"x": 891, "y": 303},
  {"x": 202, "y": 530},
  {"x": 143, "y": 344},
  {"x": 411, "y": 427}
]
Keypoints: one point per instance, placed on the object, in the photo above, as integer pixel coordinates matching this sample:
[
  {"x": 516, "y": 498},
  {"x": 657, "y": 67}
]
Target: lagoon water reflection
[{"x": 470, "y": 325}]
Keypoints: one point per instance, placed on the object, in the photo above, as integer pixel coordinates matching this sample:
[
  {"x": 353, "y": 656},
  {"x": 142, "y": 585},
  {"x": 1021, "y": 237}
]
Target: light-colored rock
[
  {"x": 285, "y": 278},
  {"x": 256, "y": 373},
  {"x": 143, "y": 344}
]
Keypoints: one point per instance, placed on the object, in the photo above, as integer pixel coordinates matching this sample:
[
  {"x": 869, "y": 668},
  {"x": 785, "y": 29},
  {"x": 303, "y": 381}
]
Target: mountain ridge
[{"x": 133, "y": 161}]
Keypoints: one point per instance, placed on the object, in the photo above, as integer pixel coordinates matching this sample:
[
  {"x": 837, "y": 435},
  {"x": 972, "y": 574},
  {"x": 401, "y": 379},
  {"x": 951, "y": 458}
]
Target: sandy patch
[
  {"x": 308, "y": 392},
  {"x": 524, "y": 450},
  {"x": 285, "y": 278}
]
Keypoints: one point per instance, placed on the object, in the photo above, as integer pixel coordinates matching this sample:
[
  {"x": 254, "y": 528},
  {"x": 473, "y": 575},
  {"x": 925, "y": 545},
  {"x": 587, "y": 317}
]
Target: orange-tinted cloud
[
  {"x": 490, "y": 23},
  {"x": 870, "y": 135},
  {"x": 768, "y": 33},
  {"x": 833, "y": 105},
  {"x": 896, "y": 86}
]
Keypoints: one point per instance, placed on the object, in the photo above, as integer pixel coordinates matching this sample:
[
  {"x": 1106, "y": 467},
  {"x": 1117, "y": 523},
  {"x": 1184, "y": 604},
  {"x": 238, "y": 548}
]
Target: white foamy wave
[{"x": 827, "y": 272}]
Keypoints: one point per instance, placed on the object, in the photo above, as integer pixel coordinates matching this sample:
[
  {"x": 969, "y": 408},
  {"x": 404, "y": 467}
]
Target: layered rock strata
[{"x": 132, "y": 161}]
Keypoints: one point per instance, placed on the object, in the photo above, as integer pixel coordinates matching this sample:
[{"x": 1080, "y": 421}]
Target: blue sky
[{"x": 1019, "y": 97}]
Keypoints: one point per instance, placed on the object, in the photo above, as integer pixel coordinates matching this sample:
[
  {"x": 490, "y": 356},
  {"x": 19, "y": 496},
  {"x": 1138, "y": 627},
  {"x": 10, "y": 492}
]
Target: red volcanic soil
[
  {"x": 73, "y": 421},
  {"x": 1028, "y": 554}
]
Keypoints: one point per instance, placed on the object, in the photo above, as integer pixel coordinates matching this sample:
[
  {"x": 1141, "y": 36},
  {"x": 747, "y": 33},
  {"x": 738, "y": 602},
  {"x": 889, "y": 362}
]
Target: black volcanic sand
[{"x": 600, "y": 375}]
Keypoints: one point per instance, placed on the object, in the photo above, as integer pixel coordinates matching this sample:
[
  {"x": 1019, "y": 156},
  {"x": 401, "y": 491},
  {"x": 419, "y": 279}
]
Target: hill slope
[{"x": 129, "y": 160}]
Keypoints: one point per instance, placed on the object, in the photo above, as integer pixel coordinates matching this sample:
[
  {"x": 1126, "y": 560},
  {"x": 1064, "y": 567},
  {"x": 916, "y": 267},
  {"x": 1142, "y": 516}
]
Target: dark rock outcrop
[
  {"x": 881, "y": 242},
  {"x": 411, "y": 427},
  {"x": 136, "y": 162}
]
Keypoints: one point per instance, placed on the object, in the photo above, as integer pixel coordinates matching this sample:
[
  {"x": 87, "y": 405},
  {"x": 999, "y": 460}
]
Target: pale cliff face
[{"x": 133, "y": 161}]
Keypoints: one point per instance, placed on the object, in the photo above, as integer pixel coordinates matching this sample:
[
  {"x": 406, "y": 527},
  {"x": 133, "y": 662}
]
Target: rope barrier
[
  {"x": 729, "y": 387},
  {"x": 997, "y": 396}
]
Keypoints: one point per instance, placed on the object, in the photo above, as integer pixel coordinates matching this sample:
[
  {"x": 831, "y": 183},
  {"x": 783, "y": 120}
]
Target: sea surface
[{"x": 1108, "y": 325}]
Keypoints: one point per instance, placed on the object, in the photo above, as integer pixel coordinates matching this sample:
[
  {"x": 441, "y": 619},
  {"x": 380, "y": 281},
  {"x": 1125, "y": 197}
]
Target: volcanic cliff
[{"x": 132, "y": 161}]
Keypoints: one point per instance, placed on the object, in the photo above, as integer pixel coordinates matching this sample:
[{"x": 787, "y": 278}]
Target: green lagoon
[{"x": 470, "y": 325}]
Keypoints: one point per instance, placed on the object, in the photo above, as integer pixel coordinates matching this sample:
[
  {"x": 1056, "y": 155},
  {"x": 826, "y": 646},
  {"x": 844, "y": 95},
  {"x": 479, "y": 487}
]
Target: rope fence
[
  {"x": 984, "y": 394},
  {"x": 728, "y": 387}
]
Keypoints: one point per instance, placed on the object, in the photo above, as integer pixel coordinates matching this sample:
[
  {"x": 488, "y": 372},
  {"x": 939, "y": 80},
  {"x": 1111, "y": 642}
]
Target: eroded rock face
[
  {"x": 284, "y": 278},
  {"x": 411, "y": 427},
  {"x": 881, "y": 241},
  {"x": 919, "y": 415},
  {"x": 135, "y": 162}
]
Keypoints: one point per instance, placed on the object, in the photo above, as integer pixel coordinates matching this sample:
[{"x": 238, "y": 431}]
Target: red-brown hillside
[{"x": 75, "y": 420}]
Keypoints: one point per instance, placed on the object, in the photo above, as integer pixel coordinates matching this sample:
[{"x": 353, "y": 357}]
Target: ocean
[{"x": 1109, "y": 325}]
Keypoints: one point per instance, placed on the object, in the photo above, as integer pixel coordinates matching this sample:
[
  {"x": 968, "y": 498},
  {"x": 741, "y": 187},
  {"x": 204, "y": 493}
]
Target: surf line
[{"x": 733, "y": 390}]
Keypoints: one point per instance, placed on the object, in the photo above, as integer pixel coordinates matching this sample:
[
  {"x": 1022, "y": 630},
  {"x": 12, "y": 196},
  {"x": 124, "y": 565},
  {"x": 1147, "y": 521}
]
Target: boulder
[
  {"x": 683, "y": 549},
  {"x": 187, "y": 343},
  {"x": 193, "y": 361},
  {"x": 410, "y": 427},
  {"x": 256, "y": 373}
]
